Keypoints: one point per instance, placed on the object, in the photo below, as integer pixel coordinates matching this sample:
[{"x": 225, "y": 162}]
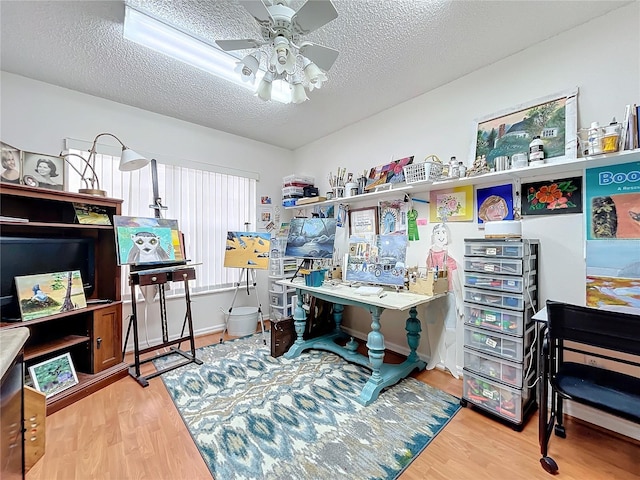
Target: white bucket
[{"x": 242, "y": 321}]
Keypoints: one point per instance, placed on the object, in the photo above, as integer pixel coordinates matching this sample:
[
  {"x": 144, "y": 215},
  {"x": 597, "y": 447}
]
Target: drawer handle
[{"x": 153, "y": 279}]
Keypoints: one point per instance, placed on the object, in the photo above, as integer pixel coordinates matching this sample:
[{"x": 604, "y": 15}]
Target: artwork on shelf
[
  {"x": 552, "y": 197},
  {"x": 54, "y": 375},
  {"x": 363, "y": 221},
  {"x": 389, "y": 173},
  {"x": 451, "y": 205},
  {"x": 393, "y": 217},
  {"x": 311, "y": 238},
  {"x": 47, "y": 294},
  {"x": 148, "y": 241},
  {"x": 91, "y": 214},
  {"x": 377, "y": 259},
  {"x": 247, "y": 250},
  {"x": 11, "y": 164},
  {"x": 44, "y": 171},
  {"x": 553, "y": 118},
  {"x": 495, "y": 203}
]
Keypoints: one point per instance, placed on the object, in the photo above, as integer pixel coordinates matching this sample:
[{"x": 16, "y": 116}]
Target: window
[{"x": 206, "y": 204}]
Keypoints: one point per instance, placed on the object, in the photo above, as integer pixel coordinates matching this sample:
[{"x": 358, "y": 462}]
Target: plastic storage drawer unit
[
  {"x": 493, "y": 396},
  {"x": 502, "y": 266},
  {"x": 495, "y": 368},
  {"x": 516, "y": 301},
  {"x": 504, "y": 283},
  {"x": 499, "y": 344},
  {"x": 498, "y": 249},
  {"x": 496, "y": 319}
]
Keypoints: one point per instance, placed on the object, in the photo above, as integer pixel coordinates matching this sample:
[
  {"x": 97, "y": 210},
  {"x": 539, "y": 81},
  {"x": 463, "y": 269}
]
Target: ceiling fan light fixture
[
  {"x": 298, "y": 92},
  {"x": 248, "y": 67},
  {"x": 264, "y": 88},
  {"x": 283, "y": 59},
  {"x": 313, "y": 74}
]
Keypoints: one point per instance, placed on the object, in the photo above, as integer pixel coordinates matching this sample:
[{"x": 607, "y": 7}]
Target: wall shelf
[{"x": 546, "y": 170}]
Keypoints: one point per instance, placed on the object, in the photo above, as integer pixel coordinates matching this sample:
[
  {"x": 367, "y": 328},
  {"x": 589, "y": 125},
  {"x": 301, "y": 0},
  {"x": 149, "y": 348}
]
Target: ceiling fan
[{"x": 282, "y": 52}]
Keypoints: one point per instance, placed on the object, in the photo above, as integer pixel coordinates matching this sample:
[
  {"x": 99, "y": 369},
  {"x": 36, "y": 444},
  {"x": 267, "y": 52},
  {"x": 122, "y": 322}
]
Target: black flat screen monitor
[{"x": 20, "y": 256}]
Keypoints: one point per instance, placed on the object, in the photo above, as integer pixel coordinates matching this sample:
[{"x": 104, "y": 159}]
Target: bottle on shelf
[
  {"x": 536, "y": 151},
  {"x": 453, "y": 168}
]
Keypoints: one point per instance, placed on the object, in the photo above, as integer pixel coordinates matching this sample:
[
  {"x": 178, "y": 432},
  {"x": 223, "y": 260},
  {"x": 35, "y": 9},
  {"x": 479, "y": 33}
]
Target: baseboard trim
[{"x": 602, "y": 419}]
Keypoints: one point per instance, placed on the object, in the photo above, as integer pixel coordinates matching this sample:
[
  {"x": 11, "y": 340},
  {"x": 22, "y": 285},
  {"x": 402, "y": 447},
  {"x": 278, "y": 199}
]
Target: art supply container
[
  {"x": 351, "y": 189},
  {"x": 502, "y": 163},
  {"x": 338, "y": 192},
  {"x": 610, "y": 138},
  {"x": 519, "y": 160},
  {"x": 315, "y": 278}
]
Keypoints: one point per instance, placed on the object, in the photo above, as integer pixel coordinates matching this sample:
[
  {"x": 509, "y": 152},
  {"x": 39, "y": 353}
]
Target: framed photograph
[
  {"x": 54, "y": 375},
  {"x": 363, "y": 221},
  {"x": 11, "y": 164},
  {"x": 553, "y": 118},
  {"x": 46, "y": 294},
  {"x": 451, "y": 205},
  {"x": 44, "y": 171},
  {"x": 552, "y": 197}
]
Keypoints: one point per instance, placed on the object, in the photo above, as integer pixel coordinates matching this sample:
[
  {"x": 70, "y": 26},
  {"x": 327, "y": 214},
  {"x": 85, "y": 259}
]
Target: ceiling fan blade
[
  {"x": 313, "y": 15},
  {"x": 228, "y": 45},
  {"x": 322, "y": 56},
  {"x": 257, "y": 9}
]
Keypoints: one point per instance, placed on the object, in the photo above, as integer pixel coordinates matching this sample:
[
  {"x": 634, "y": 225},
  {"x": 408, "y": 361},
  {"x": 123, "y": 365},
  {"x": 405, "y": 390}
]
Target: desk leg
[
  {"x": 299, "y": 322},
  {"x": 413, "y": 329},
  {"x": 375, "y": 345}
]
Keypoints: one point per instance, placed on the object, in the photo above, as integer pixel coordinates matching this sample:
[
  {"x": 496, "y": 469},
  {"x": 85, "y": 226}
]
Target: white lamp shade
[
  {"x": 130, "y": 160},
  {"x": 298, "y": 93},
  {"x": 314, "y": 75},
  {"x": 264, "y": 88}
]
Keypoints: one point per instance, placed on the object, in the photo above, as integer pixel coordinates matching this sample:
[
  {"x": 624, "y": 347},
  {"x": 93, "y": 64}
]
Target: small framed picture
[
  {"x": 54, "y": 375},
  {"x": 44, "y": 171},
  {"x": 363, "y": 221},
  {"x": 11, "y": 164}
]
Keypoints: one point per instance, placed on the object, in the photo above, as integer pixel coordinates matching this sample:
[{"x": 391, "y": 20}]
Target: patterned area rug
[{"x": 253, "y": 416}]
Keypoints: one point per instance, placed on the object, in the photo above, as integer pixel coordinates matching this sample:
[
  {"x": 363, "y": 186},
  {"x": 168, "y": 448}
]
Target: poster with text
[{"x": 612, "y": 209}]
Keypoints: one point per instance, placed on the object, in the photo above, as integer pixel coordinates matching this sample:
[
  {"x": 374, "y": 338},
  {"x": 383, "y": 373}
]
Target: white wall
[
  {"x": 601, "y": 57},
  {"x": 36, "y": 117}
]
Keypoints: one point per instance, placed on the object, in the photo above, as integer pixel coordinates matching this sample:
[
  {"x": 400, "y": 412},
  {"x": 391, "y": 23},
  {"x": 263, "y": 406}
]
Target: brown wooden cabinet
[{"x": 92, "y": 335}]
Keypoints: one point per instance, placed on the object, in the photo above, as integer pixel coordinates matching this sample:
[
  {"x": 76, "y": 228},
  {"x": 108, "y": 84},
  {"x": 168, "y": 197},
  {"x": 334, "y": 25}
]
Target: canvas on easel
[
  {"x": 247, "y": 250},
  {"x": 148, "y": 241}
]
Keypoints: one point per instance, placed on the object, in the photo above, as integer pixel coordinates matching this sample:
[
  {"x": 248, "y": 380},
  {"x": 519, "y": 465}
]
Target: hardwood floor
[{"x": 125, "y": 431}]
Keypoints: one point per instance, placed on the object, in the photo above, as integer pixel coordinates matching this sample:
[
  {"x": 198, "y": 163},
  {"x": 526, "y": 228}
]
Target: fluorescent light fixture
[{"x": 156, "y": 35}]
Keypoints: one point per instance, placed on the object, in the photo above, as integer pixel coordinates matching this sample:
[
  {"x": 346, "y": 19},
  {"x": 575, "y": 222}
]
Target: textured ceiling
[{"x": 390, "y": 51}]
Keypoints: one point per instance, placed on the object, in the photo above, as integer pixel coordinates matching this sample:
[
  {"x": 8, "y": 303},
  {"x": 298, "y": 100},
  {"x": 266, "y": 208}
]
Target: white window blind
[{"x": 206, "y": 205}]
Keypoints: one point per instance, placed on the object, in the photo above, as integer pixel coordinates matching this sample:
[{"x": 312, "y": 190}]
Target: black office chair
[{"x": 571, "y": 328}]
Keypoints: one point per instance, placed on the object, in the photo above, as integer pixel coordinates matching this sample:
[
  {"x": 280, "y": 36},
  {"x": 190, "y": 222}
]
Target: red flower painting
[{"x": 548, "y": 198}]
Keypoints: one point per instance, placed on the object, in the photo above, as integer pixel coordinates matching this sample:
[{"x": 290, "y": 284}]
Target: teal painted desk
[{"x": 382, "y": 374}]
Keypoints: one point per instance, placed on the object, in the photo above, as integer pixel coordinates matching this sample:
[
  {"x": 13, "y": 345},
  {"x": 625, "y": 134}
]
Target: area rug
[{"x": 253, "y": 416}]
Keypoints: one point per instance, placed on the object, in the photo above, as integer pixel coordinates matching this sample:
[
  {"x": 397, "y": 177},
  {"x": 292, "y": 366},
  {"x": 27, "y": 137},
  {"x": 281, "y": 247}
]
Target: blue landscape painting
[{"x": 311, "y": 238}]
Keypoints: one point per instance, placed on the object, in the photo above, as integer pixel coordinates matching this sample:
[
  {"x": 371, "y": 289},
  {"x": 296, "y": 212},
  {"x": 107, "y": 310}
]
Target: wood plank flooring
[{"x": 127, "y": 432}]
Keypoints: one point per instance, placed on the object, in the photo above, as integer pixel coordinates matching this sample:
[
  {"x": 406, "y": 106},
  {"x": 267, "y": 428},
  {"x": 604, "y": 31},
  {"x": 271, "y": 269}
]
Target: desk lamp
[{"x": 129, "y": 160}]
